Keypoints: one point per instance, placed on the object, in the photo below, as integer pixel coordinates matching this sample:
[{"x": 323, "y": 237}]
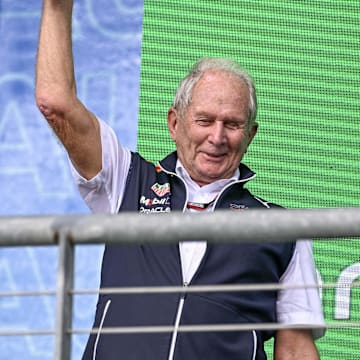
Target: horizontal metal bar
[
  {"x": 221, "y": 226},
  {"x": 190, "y": 289},
  {"x": 184, "y": 328},
  {"x": 27, "y": 293},
  {"x": 27, "y": 230},
  {"x": 180, "y": 289},
  {"x": 276, "y": 225},
  {"x": 27, "y": 332},
  {"x": 209, "y": 327},
  {"x": 212, "y": 288}
]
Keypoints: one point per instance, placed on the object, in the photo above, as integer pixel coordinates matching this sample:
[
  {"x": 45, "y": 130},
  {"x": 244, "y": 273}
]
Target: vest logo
[
  {"x": 237, "y": 207},
  {"x": 161, "y": 190},
  {"x": 154, "y": 201},
  {"x": 154, "y": 205},
  {"x": 158, "y": 209}
]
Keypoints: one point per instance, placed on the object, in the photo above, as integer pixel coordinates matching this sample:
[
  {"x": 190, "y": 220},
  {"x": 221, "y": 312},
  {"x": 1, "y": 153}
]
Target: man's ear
[
  {"x": 172, "y": 120},
  {"x": 252, "y": 133}
]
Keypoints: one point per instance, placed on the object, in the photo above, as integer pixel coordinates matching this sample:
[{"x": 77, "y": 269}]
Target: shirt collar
[{"x": 206, "y": 191}]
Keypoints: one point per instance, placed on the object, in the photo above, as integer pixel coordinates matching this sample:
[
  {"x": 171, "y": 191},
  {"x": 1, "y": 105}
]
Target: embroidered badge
[{"x": 161, "y": 190}]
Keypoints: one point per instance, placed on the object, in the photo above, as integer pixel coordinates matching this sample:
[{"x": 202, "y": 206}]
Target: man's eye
[
  {"x": 233, "y": 125},
  {"x": 203, "y": 122}
]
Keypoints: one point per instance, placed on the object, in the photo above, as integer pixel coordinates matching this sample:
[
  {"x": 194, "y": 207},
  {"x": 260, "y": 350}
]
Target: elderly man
[{"x": 212, "y": 122}]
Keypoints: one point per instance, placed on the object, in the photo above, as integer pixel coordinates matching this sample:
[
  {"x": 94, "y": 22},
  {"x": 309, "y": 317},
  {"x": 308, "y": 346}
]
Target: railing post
[{"x": 65, "y": 281}]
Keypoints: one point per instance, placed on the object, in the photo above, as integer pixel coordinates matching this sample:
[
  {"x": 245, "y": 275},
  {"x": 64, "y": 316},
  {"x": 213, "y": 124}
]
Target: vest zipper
[
  {"x": 182, "y": 298},
  {"x": 100, "y": 328},
  {"x": 176, "y": 325},
  {"x": 255, "y": 344}
]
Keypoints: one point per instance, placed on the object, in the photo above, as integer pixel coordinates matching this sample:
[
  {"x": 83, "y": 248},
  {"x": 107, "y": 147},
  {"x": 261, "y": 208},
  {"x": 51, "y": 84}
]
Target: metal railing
[{"x": 277, "y": 225}]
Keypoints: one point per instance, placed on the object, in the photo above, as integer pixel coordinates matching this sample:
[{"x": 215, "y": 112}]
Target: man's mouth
[{"x": 214, "y": 156}]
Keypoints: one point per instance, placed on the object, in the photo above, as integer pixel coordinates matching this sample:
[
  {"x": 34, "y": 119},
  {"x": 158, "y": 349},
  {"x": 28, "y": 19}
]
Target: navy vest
[{"x": 153, "y": 189}]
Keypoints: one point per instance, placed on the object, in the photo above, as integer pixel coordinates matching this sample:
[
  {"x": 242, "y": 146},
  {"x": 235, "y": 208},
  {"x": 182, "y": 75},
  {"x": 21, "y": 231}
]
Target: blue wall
[{"x": 34, "y": 173}]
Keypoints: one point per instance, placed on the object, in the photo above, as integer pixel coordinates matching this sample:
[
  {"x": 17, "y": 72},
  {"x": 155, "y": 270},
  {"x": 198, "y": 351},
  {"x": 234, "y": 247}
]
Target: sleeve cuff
[{"x": 315, "y": 322}]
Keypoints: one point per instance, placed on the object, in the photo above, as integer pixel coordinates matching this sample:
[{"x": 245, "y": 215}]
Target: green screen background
[{"x": 305, "y": 59}]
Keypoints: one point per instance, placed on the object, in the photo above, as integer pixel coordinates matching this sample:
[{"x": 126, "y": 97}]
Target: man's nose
[{"x": 217, "y": 135}]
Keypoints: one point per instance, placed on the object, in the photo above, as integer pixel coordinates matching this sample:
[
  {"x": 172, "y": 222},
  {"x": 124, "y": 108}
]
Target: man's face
[{"x": 214, "y": 134}]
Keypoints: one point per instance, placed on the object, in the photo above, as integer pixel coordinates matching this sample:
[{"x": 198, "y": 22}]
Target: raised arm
[{"x": 75, "y": 126}]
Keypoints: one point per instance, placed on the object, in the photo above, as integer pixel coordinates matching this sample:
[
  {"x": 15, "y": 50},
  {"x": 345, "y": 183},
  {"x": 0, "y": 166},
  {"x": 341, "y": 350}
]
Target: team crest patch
[
  {"x": 237, "y": 207},
  {"x": 161, "y": 190}
]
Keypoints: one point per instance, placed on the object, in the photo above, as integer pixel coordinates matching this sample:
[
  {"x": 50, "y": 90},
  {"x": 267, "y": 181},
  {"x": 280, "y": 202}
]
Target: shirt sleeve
[
  {"x": 104, "y": 192},
  {"x": 301, "y": 305}
]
